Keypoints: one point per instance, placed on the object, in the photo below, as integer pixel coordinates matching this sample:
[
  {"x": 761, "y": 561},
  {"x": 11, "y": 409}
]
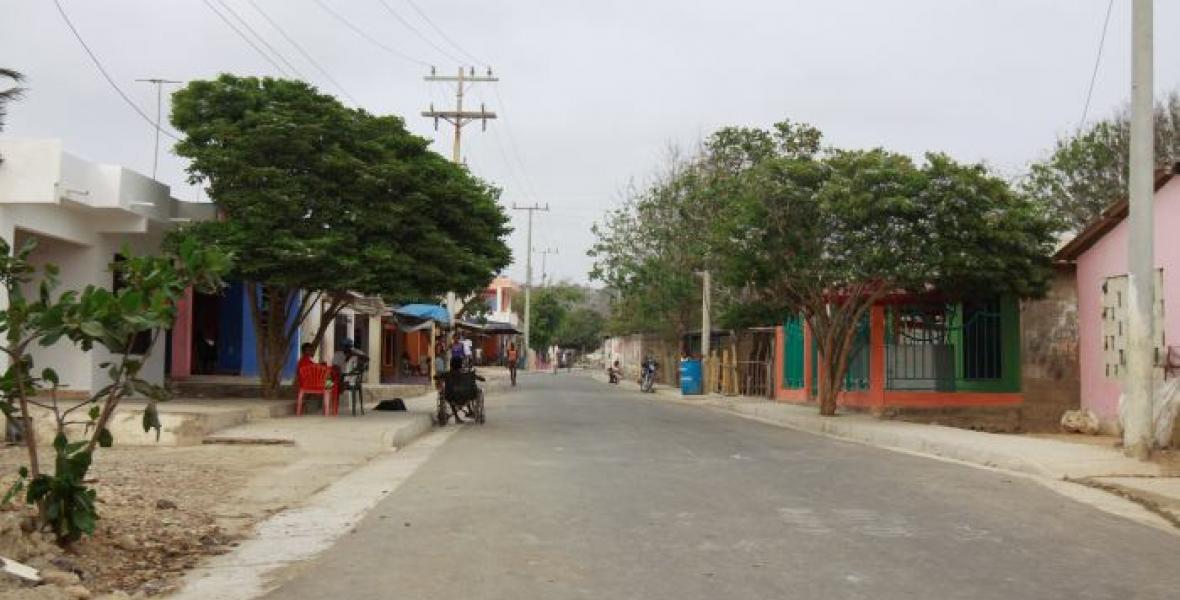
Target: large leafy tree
[
  {"x": 548, "y": 308},
  {"x": 9, "y": 94},
  {"x": 1088, "y": 169},
  {"x": 581, "y": 328},
  {"x": 647, "y": 251},
  {"x": 827, "y": 233},
  {"x": 319, "y": 200}
]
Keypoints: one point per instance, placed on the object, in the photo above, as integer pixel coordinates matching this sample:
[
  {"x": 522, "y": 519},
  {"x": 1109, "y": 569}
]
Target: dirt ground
[{"x": 161, "y": 510}]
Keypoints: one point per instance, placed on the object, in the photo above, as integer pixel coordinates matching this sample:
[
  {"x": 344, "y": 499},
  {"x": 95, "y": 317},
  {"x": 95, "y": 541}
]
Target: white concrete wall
[{"x": 83, "y": 214}]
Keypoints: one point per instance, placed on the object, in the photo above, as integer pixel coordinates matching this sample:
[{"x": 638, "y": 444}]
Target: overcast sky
[{"x": 593, "y": 92}]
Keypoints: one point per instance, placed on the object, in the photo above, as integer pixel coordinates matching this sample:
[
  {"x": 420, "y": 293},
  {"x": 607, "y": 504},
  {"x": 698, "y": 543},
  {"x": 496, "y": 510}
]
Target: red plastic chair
[{"x": 311, "y": 381}]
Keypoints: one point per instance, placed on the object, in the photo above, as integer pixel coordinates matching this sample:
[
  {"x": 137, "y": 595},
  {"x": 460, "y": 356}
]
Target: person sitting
[
  {"x": 460, "y": 388},
  {"x": 306, "y": 352}
]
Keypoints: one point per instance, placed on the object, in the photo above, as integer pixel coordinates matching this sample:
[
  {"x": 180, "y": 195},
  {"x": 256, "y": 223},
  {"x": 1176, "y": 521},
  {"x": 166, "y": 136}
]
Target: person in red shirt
[{"x": 306, "y": 351}]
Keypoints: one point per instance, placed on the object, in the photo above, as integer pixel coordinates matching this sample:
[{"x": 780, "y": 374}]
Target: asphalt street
[{"x": 576, "y": 489}]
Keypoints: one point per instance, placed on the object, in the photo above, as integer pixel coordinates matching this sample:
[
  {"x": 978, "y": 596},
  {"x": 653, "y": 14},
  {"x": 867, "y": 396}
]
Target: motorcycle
[
  {"x": 647, "y": 379},
  {"x": 613, "y": 374}
]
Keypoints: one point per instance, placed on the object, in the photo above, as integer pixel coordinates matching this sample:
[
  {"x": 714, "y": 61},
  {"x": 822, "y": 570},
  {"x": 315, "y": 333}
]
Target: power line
[
  {"x": 418, "y": 33},
  {"x": 512, "y": 140},
  {"x": 1097, "y": 61},
  {"x": 303, "y": 52},
  {"x": 367, "y": 37},
  {"x": 97, "y": 63},
  {"x": 273, "y": 50},
  {"x": 443, "y": 34},
  {"x": 245, "y": 38}
]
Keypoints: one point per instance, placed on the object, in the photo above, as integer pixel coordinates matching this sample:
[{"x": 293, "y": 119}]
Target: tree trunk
[
  {"x": 328, "y": 317},
  {"x": 271, "y": 332}
]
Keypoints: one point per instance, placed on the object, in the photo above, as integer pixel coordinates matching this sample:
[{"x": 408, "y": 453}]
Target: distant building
[{"x": 499, "y": 296}]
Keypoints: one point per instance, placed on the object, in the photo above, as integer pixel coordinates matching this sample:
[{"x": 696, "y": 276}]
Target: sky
[{"x": 592, "y": 94}]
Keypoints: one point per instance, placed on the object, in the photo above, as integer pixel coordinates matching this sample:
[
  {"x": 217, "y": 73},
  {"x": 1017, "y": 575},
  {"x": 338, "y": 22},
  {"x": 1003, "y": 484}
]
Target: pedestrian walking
[{"x": 512, "y": 358}]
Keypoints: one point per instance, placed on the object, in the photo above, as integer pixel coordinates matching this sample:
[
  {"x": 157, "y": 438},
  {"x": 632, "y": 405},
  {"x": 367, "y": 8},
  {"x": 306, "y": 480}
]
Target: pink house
[{"x": 1100, "y": 253}]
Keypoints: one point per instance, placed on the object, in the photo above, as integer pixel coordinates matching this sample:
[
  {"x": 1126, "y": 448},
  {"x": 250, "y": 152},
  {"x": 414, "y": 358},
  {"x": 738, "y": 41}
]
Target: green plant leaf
[{"x": 105, "y": 439}]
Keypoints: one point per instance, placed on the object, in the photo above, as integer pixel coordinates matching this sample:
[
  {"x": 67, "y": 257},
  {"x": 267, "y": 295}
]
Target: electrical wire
[
  {"x": 1097, "y": 61},
  {"x": 273, "y": 50},
  {"x": 419, "y": 33},
  {"x": 245, "y": 38},
  {"x": 101, "y": 69},
  {"x": 443, "y": 34},
  {"x": 512, "y": 139},
  {"x": 369, "y": 38},
  {"x": 307, "y": 56}
]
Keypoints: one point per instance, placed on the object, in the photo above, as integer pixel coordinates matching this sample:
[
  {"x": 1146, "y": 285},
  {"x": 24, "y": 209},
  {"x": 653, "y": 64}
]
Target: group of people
[{"x": 346, "y": 361}]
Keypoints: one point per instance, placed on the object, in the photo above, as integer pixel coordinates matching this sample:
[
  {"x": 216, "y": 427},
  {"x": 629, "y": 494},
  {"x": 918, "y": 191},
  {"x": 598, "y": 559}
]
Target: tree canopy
[
  {"x": 1088, "y": 170},
  {"x": 560, "y": 316},
  {"x": 793, "y": 228},
  {"x": 320, "y": 198}
]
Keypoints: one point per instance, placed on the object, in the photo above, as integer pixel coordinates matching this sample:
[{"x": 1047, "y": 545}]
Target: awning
[
  {"x": 425, "y": 312},
  {"x": 489, "y": 328}
]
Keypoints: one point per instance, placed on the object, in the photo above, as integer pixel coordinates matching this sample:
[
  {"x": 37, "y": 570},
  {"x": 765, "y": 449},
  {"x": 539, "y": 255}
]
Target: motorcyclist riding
[{"x": 647, "y": 377}]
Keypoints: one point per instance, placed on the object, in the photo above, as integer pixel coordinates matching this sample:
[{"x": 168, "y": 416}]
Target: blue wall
[
  {"x": 238, "y": 351},
  {"x": 229, "y": 334}
]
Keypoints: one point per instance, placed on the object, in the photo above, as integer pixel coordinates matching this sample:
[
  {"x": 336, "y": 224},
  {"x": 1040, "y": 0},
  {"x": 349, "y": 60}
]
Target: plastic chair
[{"x": 311, "y": 381}]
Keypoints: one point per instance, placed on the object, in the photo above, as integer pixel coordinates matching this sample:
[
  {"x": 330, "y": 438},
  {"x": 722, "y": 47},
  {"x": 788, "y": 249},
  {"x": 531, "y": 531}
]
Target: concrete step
[
  {"x": 187, "y": 422},
  {"x": 196, "y": 388}
]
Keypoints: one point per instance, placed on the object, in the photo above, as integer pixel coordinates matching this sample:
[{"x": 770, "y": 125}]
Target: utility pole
[
  {"x": 459, "y": 117},
  {"x": 706, "y": 306},
  {"x": 1138, "y": 384},
  {"x": 544, "y": 255},
  {"x": 528, "y": 272},
  {"x": 159, "y": 83}
]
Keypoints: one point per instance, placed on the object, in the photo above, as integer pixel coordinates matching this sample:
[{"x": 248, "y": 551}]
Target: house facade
[
  {"x": 81, "y": 215},
  {"x": 912, "y": 354},
  {"x": 1099, "y": 253}
]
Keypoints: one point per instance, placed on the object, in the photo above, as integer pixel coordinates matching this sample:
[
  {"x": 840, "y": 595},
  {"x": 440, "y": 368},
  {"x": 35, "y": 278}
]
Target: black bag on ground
[{"x": 395, "y": 404}]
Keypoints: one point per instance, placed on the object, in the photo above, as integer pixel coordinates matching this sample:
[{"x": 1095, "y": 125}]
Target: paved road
[{"x": 577, "y": 490}]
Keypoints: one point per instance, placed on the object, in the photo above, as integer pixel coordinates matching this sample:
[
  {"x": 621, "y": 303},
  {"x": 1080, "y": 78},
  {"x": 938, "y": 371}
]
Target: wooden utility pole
[
  {"x": 459, "y": 117},
  {"x": 528, "y": 274},
  {"x": 1138, "y": 384}
]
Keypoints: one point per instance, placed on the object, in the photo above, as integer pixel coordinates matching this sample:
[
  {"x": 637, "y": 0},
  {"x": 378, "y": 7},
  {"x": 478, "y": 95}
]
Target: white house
[{"x": 82, "y": 214}]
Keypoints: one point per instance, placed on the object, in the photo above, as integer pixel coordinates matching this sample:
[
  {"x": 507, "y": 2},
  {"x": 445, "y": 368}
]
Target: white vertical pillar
[
  {"x": 376, "y": 347},
  {"x": 1137, "y": 434}
]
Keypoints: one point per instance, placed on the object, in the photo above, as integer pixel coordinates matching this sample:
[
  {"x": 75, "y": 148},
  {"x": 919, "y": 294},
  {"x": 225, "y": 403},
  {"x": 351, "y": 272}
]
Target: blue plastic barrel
[{"x": 690, "y": 378}]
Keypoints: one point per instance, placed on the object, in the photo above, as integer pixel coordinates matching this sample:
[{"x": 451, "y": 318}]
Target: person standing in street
[{"x": 512, "y": 358}]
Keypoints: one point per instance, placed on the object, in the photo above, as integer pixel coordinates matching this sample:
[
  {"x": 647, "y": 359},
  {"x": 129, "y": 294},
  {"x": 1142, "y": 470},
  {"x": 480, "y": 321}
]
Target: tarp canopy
[
  {"x": 489, "y": 327},
  {"x": 426, "y": 312}
]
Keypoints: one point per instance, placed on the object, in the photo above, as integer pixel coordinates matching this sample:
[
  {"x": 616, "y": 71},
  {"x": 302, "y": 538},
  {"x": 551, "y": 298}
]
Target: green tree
[
  {"x": 827, "y": 233},
  {"x": 548, "y": 307},
  {"x": 89, "y": 318},
  {"x": 320, "y": 200},
  {"x": 10, "y": 94},
  {"x": 581, "y": 328},
  {"x": 1088, "y": 170}
]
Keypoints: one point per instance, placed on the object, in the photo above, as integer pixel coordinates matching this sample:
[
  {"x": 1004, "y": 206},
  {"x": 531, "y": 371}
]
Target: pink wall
[{"x": 1106, "y": 258}]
